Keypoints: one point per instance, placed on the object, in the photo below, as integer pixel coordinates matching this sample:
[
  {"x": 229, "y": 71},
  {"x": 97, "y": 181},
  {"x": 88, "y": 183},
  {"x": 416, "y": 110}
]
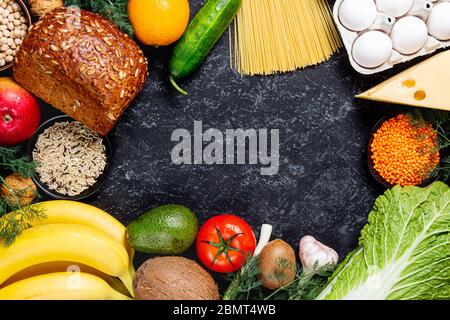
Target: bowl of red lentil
[{"x": 404, "y": 150}]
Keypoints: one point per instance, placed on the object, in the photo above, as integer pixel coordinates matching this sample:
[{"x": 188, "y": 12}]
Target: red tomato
[{"x": 224, "y": 243}]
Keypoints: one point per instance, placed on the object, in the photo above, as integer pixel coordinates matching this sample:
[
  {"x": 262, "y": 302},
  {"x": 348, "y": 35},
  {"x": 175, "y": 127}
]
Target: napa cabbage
[{"x": 403, "y": 251}]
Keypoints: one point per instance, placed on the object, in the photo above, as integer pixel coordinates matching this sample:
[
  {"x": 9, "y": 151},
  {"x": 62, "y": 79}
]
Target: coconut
[{"x": 174, "y": 278}]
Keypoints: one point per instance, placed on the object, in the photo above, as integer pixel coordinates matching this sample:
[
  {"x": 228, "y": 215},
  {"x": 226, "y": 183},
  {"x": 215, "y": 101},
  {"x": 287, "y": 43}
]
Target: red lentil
[{"x": 405, "y": 150}]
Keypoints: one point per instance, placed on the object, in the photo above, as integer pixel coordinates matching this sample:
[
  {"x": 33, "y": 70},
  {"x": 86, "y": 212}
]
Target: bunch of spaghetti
[{"x": 272, "y": 36}]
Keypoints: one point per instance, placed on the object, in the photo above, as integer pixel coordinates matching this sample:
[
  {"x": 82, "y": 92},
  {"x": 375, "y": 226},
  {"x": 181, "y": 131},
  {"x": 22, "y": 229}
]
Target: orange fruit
[{"x": 158, "y": 22}]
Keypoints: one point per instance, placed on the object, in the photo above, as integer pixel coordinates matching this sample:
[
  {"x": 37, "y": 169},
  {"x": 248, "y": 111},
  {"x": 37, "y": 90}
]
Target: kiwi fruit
[{"x": 277, "y": 264}]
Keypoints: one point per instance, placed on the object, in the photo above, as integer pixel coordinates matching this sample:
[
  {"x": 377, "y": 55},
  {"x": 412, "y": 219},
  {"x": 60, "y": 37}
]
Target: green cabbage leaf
[{"x": 403, "y": 251}]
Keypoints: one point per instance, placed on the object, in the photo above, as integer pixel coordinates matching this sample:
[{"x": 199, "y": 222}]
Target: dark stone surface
[{"x": 323, "y": 187}]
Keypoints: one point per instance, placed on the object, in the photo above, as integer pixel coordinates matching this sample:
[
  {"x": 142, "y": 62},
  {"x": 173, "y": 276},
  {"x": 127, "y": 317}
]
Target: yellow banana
[
  {"x": 66, "y": 242},
  {"x": 61, "y": 286},
  {"x": 64, "y": 266},
  {"x": 65, "y": 211}
]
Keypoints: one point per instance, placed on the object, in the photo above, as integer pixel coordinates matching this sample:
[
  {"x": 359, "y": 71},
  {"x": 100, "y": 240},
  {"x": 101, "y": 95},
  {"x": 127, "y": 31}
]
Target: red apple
[{"x": 19, "y": 113}]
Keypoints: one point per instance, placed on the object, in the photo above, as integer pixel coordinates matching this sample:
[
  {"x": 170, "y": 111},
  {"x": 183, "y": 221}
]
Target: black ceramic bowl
[
  {"x": 53, "y": 194},
  {"x": 370, "y": 163}
]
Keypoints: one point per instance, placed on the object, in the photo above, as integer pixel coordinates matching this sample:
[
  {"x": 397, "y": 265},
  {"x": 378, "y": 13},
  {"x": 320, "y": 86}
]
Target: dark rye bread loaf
[{"x": 81, "y": 64}]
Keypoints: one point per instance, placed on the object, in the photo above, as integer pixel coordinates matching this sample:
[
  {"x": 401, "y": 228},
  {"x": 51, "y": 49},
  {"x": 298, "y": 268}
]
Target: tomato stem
[{"x": 223, "y": 246}]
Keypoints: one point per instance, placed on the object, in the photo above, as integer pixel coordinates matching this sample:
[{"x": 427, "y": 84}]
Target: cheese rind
[{"x": 425, "y": 85}]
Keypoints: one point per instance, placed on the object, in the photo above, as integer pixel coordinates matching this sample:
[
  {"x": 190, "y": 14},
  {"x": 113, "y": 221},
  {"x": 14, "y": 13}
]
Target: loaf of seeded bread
[{"x": 81, "y": 64}]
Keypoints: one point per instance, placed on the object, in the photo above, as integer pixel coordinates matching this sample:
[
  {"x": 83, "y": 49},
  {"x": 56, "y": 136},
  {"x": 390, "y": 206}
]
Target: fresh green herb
[
  {"x": 10, "y": 160},
  {"x": 244, "y": 282},
  {"x": 12, "y": 225},
  {"x": 304, "y": 286},
  {"x": 114, "y": 10},
  {"x": 441, "y": 122},
  {"x": 444, "y": 168},
  {"x": 245, "y": 285}
]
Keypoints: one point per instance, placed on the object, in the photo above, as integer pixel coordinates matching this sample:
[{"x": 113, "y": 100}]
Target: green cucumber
[{"x": 200, "y": 37}]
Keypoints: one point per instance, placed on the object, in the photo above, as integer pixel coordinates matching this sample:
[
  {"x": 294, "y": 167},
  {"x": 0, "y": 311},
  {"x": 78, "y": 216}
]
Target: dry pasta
[{"x": 271, "y": 36}]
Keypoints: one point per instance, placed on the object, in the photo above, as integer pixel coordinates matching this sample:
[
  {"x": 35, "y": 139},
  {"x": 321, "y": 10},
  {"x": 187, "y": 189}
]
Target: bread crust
[{"x": 83, "y": 65}]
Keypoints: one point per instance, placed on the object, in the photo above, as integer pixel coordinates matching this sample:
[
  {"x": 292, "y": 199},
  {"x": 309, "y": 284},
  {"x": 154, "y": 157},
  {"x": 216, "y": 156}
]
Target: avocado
[{"x": 166, "y": 230}]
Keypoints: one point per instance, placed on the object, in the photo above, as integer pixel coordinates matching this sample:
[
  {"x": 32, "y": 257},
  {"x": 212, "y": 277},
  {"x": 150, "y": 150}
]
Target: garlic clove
[{"x": 315, "y": 255}]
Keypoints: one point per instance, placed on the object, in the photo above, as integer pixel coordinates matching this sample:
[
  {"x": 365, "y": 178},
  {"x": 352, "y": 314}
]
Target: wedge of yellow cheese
[{"x": 425, "y": 85}]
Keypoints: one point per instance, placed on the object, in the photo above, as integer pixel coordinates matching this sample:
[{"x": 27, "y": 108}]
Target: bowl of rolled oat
[
  {"x": 15, "y": 20},
  {"x": 72, "y": 161}
]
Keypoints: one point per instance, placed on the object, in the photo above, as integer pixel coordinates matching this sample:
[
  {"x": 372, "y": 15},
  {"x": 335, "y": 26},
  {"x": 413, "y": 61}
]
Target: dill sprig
[
  {"x": 114, "y": 10},
  {"x": 10, "y": 160},
  {"x": 444, "y": 169},
  {"x": 441, "y": 122},
  {"x": 245, "y": 284},
  {"x": 12, "y": 224}
]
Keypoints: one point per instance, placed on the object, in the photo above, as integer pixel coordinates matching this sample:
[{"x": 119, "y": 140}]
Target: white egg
[
  {"x": 372, "y": 49},
  {"x": 396, "y": 8},
  {"x": 409, "y": 35},
  {"x": 439, "y": 21},
  {"x": 357, "y": 15}
]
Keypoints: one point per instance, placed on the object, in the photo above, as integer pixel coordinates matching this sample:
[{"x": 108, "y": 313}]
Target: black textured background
[{"x": 323, "y": 187}]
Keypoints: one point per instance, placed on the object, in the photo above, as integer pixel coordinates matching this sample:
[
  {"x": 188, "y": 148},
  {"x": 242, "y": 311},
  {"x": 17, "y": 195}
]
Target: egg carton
[{"x": 384, "y": 22}]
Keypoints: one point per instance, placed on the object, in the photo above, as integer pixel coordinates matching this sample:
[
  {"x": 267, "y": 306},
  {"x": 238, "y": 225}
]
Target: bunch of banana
[
  {"x": 77, "y": 252},
  {"x": 61, "y": 285}
]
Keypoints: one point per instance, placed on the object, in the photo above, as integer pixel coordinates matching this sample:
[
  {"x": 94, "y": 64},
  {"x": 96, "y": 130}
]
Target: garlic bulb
[{"x": 315, "y": 255}]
